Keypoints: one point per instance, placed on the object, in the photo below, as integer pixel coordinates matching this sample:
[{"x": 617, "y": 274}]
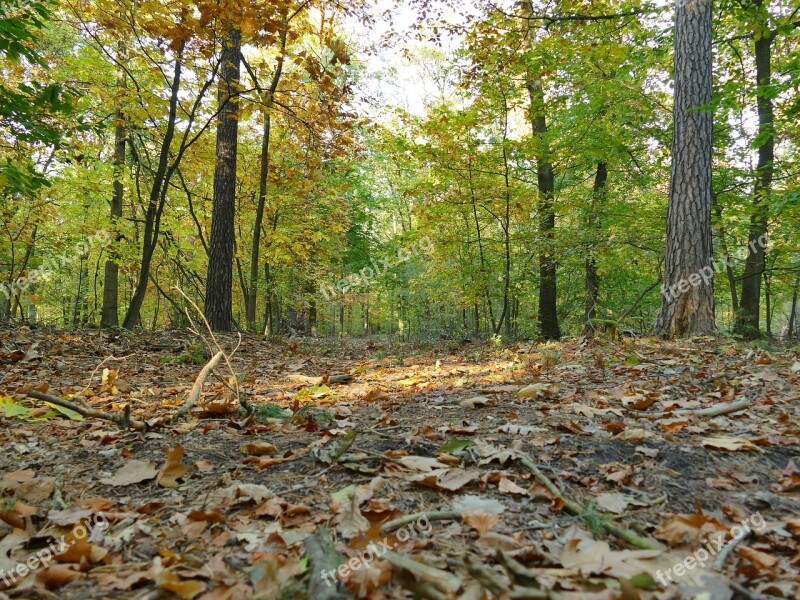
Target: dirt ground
[{"x": 572, "y": 470}]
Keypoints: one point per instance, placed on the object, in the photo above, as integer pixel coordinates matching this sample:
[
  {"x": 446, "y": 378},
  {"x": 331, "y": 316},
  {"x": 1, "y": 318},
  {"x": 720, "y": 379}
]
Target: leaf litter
[{"x": 587, "y": 469}]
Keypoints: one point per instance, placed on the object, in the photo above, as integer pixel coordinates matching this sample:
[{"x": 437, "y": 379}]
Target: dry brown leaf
[
  {"x": 134, "y": 471},
  {"x": 481, "y": 522},
  {"x": 729, "y": 443},
  {"x": 56, "y": 576},
  {"x": 172, "y": 470},
  {"x": 474, "y": 401},
  {"x": 259, "y": 448},
  {"x": 507, "y": 486},
  {"x": 185, "y": 588}
]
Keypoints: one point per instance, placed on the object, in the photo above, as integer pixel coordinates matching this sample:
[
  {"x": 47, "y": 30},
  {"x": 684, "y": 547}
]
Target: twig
[
  {"x": 325, "y": 560},
  {"x": 436, "y": 515},
  {"x": 124, "y": 420},
  {"x": 486, "y": 576},
  {"x": 578, "y": 510},
  {"x": 104, "y": 361},
  {"x": 237, "y": 392},
  {"x": 735, "y": 541},
  {"x": 441, "y": 580},
  {"x": 197, "y": 388},
  {"x": 711, "y": 411}
]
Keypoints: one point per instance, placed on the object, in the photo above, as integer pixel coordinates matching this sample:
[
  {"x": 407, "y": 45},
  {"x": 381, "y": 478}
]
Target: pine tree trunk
[
  {"x": 748, "y": 317},
  {"x": 110, "y": 314},
  {"x": 687, "y": 306},
  {"x": 219, "y": 282}
]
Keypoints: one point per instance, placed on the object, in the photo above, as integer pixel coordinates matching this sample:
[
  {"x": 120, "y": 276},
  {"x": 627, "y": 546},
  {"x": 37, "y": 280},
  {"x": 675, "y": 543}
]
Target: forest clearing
[{"x": 362, "y": 299}]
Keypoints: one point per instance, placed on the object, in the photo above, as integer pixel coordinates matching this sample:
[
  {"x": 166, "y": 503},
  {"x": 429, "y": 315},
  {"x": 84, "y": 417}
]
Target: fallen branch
[
  {"x": 579, "y": 511},
  {"x": 325, "y": 560},
  {"x": 197, "y": 388},
  {"x": 711, "y": 411},
  {"x": 124, "y": 420},
  {"x": 436, "y": 515},
  {"x": 441, "y": 580}
]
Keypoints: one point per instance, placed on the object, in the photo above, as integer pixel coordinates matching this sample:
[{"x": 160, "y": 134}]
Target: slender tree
[
  {"x": 110, "y": 314},
  {"x": 687, "y": 306},
  {"x": 748, "y": 315},
  {"x": 219, "y": 281}
]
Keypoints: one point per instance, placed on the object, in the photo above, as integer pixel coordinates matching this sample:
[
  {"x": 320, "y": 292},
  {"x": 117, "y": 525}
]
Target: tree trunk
[
  {"x": 110, "y": 314},
  {"x": 263, "y": 181},
  {"x": 748, "y": 317},
  {"x": 793, "y": 326},
  {"x": 687, "y": 306},
  {"x": 548, "y": 293},
  {"x": 155, "y": 205},
  {"x": 592, "y": 280},
  {"x": 219, "y": 282}
]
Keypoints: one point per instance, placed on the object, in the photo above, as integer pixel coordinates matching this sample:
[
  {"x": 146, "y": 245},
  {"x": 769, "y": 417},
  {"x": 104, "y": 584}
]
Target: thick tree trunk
[
  {"x": 110, "y": 312},
  {"x": 219, "y": 282},
  {"x": 592, "y": 279},
  {"x": 687, "y": 306},
  {"x": 748, "y": 317}
]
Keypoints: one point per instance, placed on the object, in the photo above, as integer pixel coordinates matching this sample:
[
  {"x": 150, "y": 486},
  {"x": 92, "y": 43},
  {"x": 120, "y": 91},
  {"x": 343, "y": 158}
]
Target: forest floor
[{"x": 572, "y": 470}]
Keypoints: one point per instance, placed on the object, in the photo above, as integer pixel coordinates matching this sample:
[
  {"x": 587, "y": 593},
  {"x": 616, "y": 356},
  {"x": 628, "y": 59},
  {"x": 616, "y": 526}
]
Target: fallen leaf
[
  {"x": 134, "y": 471},
  {"x": 259, "y": 448},
  {"x": 729, "y": 443},
  {"x": 173, "y": 469}
]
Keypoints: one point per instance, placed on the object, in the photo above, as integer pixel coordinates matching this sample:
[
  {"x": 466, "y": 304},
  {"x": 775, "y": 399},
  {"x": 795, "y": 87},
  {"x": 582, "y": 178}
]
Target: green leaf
[
  {"x": 11, "y": 408},
  {"x": 632, "y": 360},
  {"x": 455, "y": 445},
  {"x": 67, "y": 412},
  {"x": 644, "y": 581}
]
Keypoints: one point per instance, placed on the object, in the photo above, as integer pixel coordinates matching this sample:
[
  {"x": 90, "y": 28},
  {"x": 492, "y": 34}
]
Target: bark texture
[
  {"x": 687, "y": 306},
  {"x": 219, "y": 282}
]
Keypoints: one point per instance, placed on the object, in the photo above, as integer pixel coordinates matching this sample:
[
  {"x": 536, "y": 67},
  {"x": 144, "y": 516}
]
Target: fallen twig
[
  {"x": 197, "y": 388},
  {"x": 124, "y": 420},
  {"x": 324, "y": 559},
  {"x": 441, "y": 580},
  {"x": 711, "y": 411},
  {"x": 735, "y": 541},
  {"x": 578, "y": 510},
  {"x": 436, "y": 515}
]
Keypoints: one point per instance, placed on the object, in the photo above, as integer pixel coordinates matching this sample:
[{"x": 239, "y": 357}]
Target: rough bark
[
  {"x": 687, "y": 306},
  {"x": 219, "y": 282},
  {"x": 748, "y": 316}
]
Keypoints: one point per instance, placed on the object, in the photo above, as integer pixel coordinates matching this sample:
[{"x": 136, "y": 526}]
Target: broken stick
[
  {"x": 197, "y": 388},
  {"x": 711, "y": 411},
  {"x": 124, "y": 420},
  {"x": 579, "y": 511}
]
